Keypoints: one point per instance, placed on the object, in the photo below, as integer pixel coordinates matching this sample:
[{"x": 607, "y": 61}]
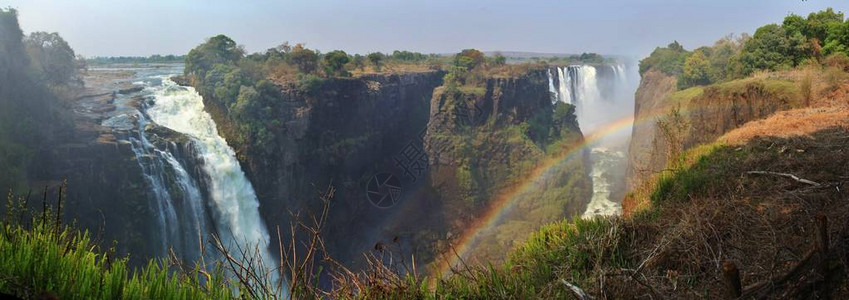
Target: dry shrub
[
  {"x": 834, "y": 78},
  {"x": 807, "y": 89},
  {"x": 398, "y": 67},
  {"x": 283, "y": 73},
  {"x": 674, "y": 128},
  {"x": 514, "y": 70},
  {"x": 838, "y": 60}
]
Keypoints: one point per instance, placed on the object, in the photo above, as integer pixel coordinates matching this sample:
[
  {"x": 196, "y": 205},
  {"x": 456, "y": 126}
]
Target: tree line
[
  {"x": 796, "y": 41},
  {"x": 33, "y": 69}
]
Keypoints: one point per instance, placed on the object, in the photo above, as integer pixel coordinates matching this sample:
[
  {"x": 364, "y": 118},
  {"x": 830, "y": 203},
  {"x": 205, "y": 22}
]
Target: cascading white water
[
  {"x": 179, "y": 215},
  {"x": 565, "y": 88},
  {"x": 589, "y": 95},
  {"x": 578, "y": 85},
  {"x": 552, "y": 89},
  {"x": 193, "y": 209},
  {"x": 234, "y": 203},
  {"x": 603, "y": 161},
  {"x": 583, "y": 86},
  {"x": 153, "y": 170}
]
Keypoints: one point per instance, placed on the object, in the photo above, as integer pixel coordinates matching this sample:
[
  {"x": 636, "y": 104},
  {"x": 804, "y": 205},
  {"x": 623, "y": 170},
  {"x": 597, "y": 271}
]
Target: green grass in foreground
[
  {"x": 47, "y": 257},
  {"x": 567, "y": 250}
]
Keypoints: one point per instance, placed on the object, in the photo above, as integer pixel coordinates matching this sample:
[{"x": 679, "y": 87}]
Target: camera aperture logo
[{"x": 384, "y": 190}]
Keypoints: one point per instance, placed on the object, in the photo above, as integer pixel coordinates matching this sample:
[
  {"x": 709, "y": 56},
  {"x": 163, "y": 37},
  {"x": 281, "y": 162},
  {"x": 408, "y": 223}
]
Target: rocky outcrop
[
  {"x": 707, "y": 113},
  {"x": 107, "y": 192},
  {"x": 355, "y": 132},
  {"x": 344, "y": 133},
  {"x": 721, "y": 109},
  {"x": 485, "y": 141},
  {"x": 645, "y": 156},
  {"x": 105, "y": 184}
]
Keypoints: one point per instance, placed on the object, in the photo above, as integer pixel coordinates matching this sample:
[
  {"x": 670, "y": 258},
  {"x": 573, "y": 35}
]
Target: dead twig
[
  {"x": 577, "y": 291},
  {"x": 791, "y": 176}
]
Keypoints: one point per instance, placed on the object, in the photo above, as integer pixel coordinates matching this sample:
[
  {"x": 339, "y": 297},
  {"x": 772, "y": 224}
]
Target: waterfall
[
  {"x": 173, "y": 233},
  {"x": 601, "y": 96},
  {"x": 232, "y": 199},
  {"x": 197, "y": 186},
  {"x": 565, "y": 88},
  {"x": 604, "y": 160},
  {"x": 193, "y": 209},
  {"x": 576, "y": 85},
  {"x": 551, "y": 89}
]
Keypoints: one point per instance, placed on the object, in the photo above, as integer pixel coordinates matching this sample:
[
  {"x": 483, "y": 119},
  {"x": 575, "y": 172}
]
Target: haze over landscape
[
  {"x": 633, "y": 28},
  {"x": 650, "y": 149}
]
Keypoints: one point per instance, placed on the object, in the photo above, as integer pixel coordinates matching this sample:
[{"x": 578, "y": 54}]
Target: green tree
[
  {"x": 376, "y": 60},
  {"x": 795, "y": 24},
  {"x": 469, "y": 59},
  {"x": 696, "y": 70},
  {"x": 819, "y": 23},
  {"x": 305, "y": 59},
  {"x": 12, "y": 54},
  {"x": 771, "y": 49},
  {"x": 219, "y": 49},
  {"x": 244, "y": 108},
  {"x": 335, "y": 62},
  {"x": 669, "y": 60},
  {"x": 595, "y": 57},
  {"x": 229, "y": 87},
  {"x": 51, "y": 57},
  {"x": 359, "y": 62},
  {"x": 499, "y": 59},
  {"x": 723, "y": 57},
  {"x": 838, "y": 39},
  {"x": 408, "y": 56}
]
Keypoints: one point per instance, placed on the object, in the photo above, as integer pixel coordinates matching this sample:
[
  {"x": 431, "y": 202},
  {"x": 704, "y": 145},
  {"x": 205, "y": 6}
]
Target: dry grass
[
  {"x": 829, "y": 109},
  {"x": 797, "y": 122},
  {"x": 513, "y": 70},
  {"x": 394, "y": 68},
  {"x": 710, "y": 212},
  {"x": 282, "y": 73}
]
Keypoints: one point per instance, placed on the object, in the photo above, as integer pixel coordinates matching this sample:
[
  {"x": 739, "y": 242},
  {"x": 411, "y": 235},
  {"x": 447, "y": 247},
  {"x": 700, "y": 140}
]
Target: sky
[{"x": 625, "y": 27}]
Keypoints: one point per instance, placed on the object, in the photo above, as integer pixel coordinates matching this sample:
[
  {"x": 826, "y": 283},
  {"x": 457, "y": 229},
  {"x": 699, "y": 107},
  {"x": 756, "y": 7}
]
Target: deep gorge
[{"x": 357, "y": 129}]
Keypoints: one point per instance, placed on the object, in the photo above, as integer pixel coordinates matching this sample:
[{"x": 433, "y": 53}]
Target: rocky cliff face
[
  {"x": 705, "y": 112},
  {"x": 359, "y": 133},
  {"x": 645, "y": 156},
  {"x": 106, "y": 192},
  {"x": 484, "y": 141},
  {"x": 725, "y": 107},
  {"x": 344, "y": 133}
]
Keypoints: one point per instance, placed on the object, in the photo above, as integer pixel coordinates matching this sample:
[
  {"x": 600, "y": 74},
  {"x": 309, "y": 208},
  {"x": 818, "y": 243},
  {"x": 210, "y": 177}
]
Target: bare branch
[
  {"x": 578, "y": 292},
  {"x": 791, "y": 176}
]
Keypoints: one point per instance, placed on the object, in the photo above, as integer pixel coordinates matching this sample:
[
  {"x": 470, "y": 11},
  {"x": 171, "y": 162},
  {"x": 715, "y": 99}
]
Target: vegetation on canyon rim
[
  {"x": 39, "y": 66},
  {"x": 797, "y": 41},
  {"x": 707, "y": 212}
]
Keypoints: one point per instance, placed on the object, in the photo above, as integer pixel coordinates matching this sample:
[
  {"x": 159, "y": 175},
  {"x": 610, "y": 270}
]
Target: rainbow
[{"x": 507, "y": 198}]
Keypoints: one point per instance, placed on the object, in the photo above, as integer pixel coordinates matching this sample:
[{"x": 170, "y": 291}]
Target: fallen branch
[
  {"x": 791, "y": 176},
  {"x": 579, "y": 293}
]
